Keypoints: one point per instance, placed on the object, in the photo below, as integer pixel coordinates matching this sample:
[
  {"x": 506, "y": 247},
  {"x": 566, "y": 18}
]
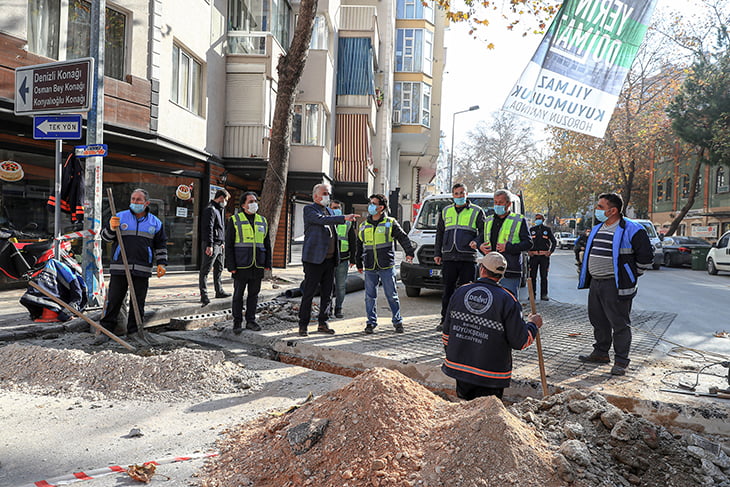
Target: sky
[{"x": 476, "y": 75}]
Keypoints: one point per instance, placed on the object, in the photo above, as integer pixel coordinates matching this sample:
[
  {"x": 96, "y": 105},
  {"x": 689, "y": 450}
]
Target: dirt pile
[
  {"x": 181, "y": 373},
  {"x": 386, "y": 430},
  {"x": 383, "y": 429},
  {"x": 598, "y": 443}
]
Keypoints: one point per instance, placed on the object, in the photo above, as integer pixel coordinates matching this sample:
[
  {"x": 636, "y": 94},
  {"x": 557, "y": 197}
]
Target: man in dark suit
[{"x": 320, "y": 256}]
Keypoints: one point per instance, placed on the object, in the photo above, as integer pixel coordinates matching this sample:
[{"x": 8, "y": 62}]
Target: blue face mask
[
  {"x": 337, "y": 211},
  {"x": 538, "y": 222},
  {"x": 601, "y": 215},
  {"x": 372, "y": 209},
  {"x": 499, "y": 209},
  {"x": 136, "y": 208},
  {"x": 460, "y": 201}
]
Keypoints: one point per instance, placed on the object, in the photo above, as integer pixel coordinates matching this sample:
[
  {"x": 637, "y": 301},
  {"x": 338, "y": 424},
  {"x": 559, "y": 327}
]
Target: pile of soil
[
  {"x": 383, "y": 429},
  {"x": 180, "y": 374}
]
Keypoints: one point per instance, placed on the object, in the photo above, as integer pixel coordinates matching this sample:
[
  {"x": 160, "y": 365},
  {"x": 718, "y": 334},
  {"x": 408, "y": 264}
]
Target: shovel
[{"x": 543, "y": 377}]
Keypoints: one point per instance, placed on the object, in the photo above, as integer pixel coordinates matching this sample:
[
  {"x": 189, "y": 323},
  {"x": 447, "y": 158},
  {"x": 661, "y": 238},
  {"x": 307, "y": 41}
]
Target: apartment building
[
  {"x": 709, "y": 216},
  {"x": 189, "y": 95}
]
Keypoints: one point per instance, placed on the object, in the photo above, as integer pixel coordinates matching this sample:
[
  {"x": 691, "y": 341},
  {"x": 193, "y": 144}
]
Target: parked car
[
  {"x": 565, "y": 240},
  {"x": 718, "y": 258},
  {"x": 678, "y": 250}
]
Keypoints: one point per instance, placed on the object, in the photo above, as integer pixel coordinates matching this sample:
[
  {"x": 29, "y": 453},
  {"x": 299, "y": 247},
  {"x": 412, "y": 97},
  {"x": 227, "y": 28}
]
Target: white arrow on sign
[{"x": 56, "y": 127}]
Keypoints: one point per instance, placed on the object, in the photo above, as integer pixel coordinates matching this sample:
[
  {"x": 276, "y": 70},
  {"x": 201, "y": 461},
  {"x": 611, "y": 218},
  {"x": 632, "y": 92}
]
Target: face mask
[
  {"x": 601, "y": 216},
  {"x": 136, "y": 207},
  {"x": 253, "y": 207},
  {"x": 325, "y": 200},
  {"x": 460, "y": 201},
  {"x": 499, "y": 209},
  {"x": 372, "y": 209},
  {"x": 538, "y": 222},
  {"x": 337, "y": 211}
]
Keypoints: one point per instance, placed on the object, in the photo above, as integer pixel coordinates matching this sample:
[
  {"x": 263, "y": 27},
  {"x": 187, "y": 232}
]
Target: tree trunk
[
  {"x": 691, "y": 196},
  {"x": 290, "y": 68}
]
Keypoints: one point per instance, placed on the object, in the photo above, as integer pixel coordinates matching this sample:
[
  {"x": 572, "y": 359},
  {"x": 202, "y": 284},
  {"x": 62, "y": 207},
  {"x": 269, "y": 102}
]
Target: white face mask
[
  {"x": 325, "y": 200},
  {"x": 253, "y": 207}
]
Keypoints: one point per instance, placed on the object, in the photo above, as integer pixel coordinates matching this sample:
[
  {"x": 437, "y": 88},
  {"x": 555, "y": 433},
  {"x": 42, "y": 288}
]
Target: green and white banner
[{"x": 574, "y": 78}]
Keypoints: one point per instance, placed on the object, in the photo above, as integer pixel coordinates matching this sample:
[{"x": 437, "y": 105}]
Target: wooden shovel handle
[{"x": 538, "y": 342}]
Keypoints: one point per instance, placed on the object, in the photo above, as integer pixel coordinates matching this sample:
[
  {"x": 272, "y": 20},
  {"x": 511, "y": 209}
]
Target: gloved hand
[
  {"x": 114, "y": 222},
  {"x": 161, "y": 270}
]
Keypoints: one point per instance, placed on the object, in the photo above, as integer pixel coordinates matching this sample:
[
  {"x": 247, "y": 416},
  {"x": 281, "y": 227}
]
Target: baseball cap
[{"x": 494, "y": 262}]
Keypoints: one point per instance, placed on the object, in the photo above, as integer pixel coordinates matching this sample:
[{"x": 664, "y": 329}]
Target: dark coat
[
  {"x": 212, "y": 229},
  {"x": 319, "y": 228}
]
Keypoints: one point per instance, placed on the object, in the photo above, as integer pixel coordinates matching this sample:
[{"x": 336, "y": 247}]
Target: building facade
[
  {"x": 189, "y": 95},
  {"x": 709, "y": 216}
]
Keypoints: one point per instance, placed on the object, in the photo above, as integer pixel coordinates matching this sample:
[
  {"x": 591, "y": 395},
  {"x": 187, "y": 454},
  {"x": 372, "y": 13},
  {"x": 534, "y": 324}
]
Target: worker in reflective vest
[
  {"x": 459, "y": 226},
  {"x": 346, "y": 244},
  {"x": 248, "y": 254},
  {"x": 376, "y": 257},
  {"x": 507, "y": 233}
]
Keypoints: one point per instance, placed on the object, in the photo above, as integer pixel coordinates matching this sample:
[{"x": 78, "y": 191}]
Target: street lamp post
[{"x": 451, "y": 155}]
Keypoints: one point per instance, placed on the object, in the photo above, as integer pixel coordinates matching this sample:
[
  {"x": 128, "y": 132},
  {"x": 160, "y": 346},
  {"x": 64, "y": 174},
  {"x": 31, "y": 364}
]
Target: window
[
  {"x": 44, "y": 19},
  {"x": 309, "y": 124},
  {"x": 720, "y": 183},
  {"x": 320, "y": 33},
  {"x": 413, "y": 101},
  {"x": 414, "y": 51},
  {"x": 685, "y": 186},
  {"x": 414, "y": 9},
  {"x": 668, "y": 192},
  {"x": 660, "y": 190},
  {"x": 261, "y": 16},
  {"x": 186, "y": 80}
]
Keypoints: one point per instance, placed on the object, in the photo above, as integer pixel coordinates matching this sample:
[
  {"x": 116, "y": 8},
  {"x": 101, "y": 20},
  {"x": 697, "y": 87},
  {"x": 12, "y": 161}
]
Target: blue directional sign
[{"x": 57, "y": 127}]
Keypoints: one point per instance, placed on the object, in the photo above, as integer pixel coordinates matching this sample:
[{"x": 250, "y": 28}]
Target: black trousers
[
  {"x": 243, "y": 278},
  {"x": 115, "y": 297},
  {"x": 454, "y": 274},
  {"x": 541, "y": 263},
  {"x": 322, "y": 276},
  {"x": 215, "y": 262},
  {"x": 610, "y": 320},
  {"x": 468, "y": 391}
]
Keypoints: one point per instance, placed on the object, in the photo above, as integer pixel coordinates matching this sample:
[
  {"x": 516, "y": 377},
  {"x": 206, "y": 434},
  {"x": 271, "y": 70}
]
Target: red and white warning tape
[
  {"x": 80, "y": 234},
  {"x": 101, "y": 472}
]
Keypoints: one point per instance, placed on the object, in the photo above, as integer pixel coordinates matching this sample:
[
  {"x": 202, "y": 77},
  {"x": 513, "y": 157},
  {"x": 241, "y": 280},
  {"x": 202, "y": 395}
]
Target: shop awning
[{"x": 352, "y": 148}]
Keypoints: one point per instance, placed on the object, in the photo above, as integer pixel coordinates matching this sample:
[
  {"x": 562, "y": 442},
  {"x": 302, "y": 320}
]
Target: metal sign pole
[{"x": 57, "y": 207}]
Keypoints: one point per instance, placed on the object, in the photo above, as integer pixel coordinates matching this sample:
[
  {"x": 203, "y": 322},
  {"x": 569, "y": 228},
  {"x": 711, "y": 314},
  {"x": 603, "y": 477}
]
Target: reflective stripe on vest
[
  {"x": 342, "y": 231},
  {"x": 377, "y": 237},
  {"x": 508, "y": 233},
  {"x": 249, "y": 240}
]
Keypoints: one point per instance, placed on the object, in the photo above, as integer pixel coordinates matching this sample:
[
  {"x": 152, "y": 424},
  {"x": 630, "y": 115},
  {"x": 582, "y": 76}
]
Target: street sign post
[
  {"x": 60, "y": 87},
  {"x": 56, "y": 127}
]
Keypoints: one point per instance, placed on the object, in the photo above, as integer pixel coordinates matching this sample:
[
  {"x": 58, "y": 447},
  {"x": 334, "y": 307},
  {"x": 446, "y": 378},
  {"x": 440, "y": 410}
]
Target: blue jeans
[
  {"x": 512, "y": 284},
  {"x": 341, "y": 283},
  {"x": 387, "y": 277}
]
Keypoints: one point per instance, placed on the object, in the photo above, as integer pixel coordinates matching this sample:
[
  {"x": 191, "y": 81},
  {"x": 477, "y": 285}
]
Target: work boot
[
  {"x": 101, "y": 340},
  {"x": 594, "y": 359},
  {"x": 237, "y": 328},
  {"x": 324, "y": 328},
  {"x": 618, "y": 370},
  {"x": 338, "y": 313},
  {"x": 303, "y": 332},
  {"x": 398, "y": 327},
  {"x": 222, "y": 294},
  {"x": 252, "y": 325},
  {"x": 204, "y": 300},
  {"x": 369, "y": 329},
  {"x": 544, "y": 298}
]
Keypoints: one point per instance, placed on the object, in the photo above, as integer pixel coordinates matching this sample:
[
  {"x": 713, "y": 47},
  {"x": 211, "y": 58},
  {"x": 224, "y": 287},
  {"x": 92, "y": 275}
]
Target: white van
[
  {"x": 656, "y": 242},
  {"x": 423, "y": 272}
]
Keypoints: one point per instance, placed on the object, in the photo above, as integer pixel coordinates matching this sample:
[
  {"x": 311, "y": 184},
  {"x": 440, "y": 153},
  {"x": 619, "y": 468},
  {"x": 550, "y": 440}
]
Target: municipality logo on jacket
[{"x": 478, "y": 300}]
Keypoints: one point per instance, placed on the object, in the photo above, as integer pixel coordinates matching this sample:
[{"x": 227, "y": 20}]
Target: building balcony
[
  {"x": 359, "y": 104},
  {"x": 360, "y": 21},
  {"x": 246, "y": 141}
]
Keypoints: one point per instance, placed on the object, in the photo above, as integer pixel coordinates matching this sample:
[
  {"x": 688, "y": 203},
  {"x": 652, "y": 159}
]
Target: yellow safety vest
[
  {"x": 342, "y": 231},
  {"x": 510, "y": 231},
  {"x": 249, "y": 245},
  {"x": 377, "y": 243}
]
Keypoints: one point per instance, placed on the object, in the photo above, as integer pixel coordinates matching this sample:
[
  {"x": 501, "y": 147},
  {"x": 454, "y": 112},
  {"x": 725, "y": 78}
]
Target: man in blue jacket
[
  {"x": 145, "y": 243},
  {"x": 483, "y": 325},
  {"x": 320, "y": 257},
  {"x": 618, "y": 251}
]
